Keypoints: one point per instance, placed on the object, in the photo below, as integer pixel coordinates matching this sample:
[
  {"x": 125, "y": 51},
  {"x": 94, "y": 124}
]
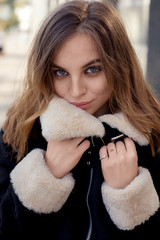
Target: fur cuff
[
  {"x": 134, "y": 204},
  {"x": 36, "y": 187}
]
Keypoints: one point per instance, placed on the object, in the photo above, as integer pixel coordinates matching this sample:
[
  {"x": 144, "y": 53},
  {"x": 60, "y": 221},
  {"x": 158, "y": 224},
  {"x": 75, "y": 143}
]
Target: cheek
[
  {"x": 101, "y": 86},
  {"x": 58, "y": 87}
]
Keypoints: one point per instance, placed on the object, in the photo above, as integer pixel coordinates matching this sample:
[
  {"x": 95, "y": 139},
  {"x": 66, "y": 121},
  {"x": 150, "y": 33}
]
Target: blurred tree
[{"x": 11, "y": 19}]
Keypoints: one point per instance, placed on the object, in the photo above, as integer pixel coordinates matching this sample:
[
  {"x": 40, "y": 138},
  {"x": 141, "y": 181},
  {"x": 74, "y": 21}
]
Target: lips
[{"x": 82, "y": 105}]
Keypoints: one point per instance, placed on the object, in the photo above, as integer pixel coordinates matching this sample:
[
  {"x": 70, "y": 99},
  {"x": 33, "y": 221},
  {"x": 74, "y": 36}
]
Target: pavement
[{"x": 12, "y": 69}]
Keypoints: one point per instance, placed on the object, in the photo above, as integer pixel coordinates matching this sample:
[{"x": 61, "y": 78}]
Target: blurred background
[{"x": 20, "y": 19}]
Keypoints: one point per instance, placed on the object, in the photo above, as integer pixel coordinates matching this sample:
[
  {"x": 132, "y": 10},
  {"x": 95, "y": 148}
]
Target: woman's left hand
[{"x": 119, "y": 163}]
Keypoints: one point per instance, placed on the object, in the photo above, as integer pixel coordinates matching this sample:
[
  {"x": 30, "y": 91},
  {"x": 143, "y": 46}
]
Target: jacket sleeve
[
  {"x": 133, "y": 205},
  {"x": 28, "y": 188},
  {"x": 36, "y": 187},
  {"x": 137, "y": 205}
]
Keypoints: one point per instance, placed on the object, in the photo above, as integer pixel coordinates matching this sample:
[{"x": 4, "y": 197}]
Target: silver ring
[{"x": 104, "y": 156}]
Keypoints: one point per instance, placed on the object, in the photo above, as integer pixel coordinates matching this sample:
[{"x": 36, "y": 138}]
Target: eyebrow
[
  {"x": 92, "y": 62},
  {"x": 86, "y": 65}
]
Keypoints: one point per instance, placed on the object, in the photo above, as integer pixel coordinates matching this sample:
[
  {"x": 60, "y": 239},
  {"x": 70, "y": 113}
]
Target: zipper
[{"x": 87, "y": 201}]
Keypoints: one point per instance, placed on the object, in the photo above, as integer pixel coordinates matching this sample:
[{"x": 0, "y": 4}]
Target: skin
[{"x": 78, "y": 77}]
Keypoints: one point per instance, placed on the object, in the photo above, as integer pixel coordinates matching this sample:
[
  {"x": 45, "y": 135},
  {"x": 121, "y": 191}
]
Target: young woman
[{"x": 79, "y": 150}]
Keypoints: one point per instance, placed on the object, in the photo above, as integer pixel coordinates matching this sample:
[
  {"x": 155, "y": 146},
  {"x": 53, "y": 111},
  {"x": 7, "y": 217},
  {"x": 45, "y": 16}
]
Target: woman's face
[{"x": 78, "y": 76}]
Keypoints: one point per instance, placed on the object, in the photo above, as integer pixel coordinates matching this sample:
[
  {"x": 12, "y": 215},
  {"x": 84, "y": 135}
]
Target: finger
[
  {"x": 120, "y": 146},
  {"x": 82, "y": 147},
  {"x": 131, "y": 149},
  {"x": 77, "y": 141},
  {"x": 111, "y": 149},
  {"x": 103, "y": 153},
  {"x": 129, "y": 144}
]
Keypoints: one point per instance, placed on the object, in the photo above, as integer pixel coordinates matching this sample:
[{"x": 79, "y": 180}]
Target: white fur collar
[{"x": 62, "y": 120}]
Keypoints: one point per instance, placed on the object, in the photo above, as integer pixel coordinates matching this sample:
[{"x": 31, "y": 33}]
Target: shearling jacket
[{"x": 81, "y": 205}]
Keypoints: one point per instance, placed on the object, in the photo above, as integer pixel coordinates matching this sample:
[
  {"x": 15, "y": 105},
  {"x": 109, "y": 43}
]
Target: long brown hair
[{"x": 131, "y": 94}]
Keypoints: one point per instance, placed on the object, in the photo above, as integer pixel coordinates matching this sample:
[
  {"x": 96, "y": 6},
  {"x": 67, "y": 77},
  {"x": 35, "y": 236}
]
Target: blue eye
[
  {"x": 93, "y": 69},
  {"x": 60, "y": 73}
]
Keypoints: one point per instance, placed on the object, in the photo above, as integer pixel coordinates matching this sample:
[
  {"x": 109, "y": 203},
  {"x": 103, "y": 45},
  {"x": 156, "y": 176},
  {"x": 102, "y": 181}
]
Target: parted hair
[{"x": 131, "y": 93}]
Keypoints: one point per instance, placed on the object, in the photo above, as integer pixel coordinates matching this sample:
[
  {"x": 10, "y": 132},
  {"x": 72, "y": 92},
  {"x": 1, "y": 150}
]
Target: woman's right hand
[{"x": 61, "y": 157}]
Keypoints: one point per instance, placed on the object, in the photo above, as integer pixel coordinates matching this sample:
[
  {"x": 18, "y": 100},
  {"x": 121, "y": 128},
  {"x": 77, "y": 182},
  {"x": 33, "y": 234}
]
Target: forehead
[{"x": 78, "y": 48}]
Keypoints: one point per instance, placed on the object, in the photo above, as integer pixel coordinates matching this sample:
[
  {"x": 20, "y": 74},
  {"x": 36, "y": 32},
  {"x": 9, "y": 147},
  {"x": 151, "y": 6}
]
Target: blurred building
[
  {"x": 40, "y": 8},
  {"x": 135, "y": 14},
  {"x": 142, "y": 19},
  {"x": 153, "y": 63}
]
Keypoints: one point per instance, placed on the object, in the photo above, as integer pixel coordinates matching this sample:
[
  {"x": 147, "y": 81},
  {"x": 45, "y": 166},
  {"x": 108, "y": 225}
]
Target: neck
[{"x": 102, "y": 111}]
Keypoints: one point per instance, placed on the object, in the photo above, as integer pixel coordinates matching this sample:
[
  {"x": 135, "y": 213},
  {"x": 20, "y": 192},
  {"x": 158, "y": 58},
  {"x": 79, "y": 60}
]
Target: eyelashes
[
  {"x": 93, "y": 69},
  {"x": 60, "y": 72}
]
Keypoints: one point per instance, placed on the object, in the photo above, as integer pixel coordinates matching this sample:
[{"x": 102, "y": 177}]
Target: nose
[{"x": 77, "y": 87}]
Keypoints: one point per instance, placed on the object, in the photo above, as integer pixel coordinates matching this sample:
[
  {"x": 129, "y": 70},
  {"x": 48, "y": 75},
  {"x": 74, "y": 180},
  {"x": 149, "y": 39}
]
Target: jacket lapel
[{"x": 62, "y": 120}]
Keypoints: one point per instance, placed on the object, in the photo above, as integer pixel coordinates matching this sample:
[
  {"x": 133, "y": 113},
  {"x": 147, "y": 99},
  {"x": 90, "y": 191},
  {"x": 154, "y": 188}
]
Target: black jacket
[{"x": 80, "y": 206}]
